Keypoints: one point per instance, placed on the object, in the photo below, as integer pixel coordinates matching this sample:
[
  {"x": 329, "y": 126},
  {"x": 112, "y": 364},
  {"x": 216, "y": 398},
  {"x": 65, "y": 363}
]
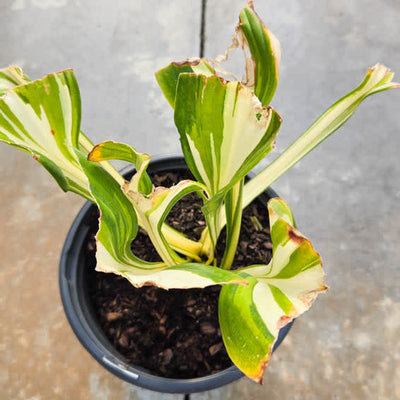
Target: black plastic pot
[{"x": 81, "y": 316}]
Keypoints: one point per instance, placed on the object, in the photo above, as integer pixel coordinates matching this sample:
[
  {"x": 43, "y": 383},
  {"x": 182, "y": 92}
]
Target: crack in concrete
[{"x": 203, "y": 27}]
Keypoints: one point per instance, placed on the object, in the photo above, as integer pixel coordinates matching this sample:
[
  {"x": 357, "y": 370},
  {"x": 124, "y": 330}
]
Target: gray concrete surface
[{"x": 345, "y": 195}]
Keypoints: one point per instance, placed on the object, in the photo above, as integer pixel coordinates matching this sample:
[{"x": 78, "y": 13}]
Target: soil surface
[{"x": 173, "y": 333}]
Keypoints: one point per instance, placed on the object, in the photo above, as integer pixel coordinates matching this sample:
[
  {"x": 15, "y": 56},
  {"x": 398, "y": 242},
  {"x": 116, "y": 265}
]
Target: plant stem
[
  {"x": 233, "y": 210},
  {"x": 182, "y": 244}
]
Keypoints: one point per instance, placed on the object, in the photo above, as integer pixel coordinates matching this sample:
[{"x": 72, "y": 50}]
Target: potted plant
[{"x": 226, "y": 128}]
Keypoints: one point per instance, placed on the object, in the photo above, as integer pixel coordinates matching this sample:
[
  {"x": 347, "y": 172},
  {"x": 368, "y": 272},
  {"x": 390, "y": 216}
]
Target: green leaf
[
  {"x": 186, "y": 276},
  {"x": 14, "y": 76},
  {"x": 224, "y": 133},
  {"x": 224, "y": 130},
  {"x": 110, "y": 150},
  {"x": 86, "y": 146},
  {"x": 43, "y": 118},
  {"x": 262, "y": 70},
  {"x": 118, "y": 220},
  {"x": 152, "y": 211},
  {"x": 167, "y": 77},
  {"x": 251, "y": 316},
  {"x": 118, "y": 228},
  {"x": 377, "y": 79},
  {"x": 11, "y": 77},
  {"x": 140, "y": 182}
]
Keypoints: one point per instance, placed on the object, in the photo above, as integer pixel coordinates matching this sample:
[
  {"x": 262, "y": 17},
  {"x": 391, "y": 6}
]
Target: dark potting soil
[{"x": 173, "y": 333}]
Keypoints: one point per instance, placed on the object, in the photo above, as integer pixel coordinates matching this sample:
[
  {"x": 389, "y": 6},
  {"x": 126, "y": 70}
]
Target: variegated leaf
[
  {"x": 224, "y": 130},
  {"x": 251, "y": 316},
  {"x": 11, "y": 77},
  {"x": 377, "y": 79},
  {"x": 86, "y": 146},
  {"x": 141, "y": 182},
  {"x": 14, "y": 76},
  {"x": 262, "y": 68},
  {"x": 110, "y": 150},
  {"x": 186, "y": 276},
  {"x": 224, "y": 133},
  {"x": 118, "y": 228},
  {"x": 167, "y": 77},
  {"x": 152, "y": 211},
  {"x": 43, "y": 118}
]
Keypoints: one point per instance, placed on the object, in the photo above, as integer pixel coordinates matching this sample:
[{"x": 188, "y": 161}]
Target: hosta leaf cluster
[{"x": 226, "y": 128}]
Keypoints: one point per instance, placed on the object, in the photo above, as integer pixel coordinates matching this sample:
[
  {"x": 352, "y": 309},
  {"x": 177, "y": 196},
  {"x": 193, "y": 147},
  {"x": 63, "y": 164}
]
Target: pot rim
[{"x": 81, "y": 318}]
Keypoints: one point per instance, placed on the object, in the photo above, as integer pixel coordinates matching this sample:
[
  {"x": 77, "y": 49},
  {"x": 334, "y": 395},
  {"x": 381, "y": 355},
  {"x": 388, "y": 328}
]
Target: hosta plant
[{"x": 226, "y": 128}]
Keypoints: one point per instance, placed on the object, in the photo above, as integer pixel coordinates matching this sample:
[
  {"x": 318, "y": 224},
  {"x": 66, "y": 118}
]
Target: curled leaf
[
  {"x": 262, "y": 66},
  {"x": 43, "y": 118},
  {"x": 251, "y": 316},
  {"x": 110, "y": 150}
]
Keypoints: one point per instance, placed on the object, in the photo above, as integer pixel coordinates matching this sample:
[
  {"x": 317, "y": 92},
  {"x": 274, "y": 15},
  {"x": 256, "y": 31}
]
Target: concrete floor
[{"x": 345, "y": 195}]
